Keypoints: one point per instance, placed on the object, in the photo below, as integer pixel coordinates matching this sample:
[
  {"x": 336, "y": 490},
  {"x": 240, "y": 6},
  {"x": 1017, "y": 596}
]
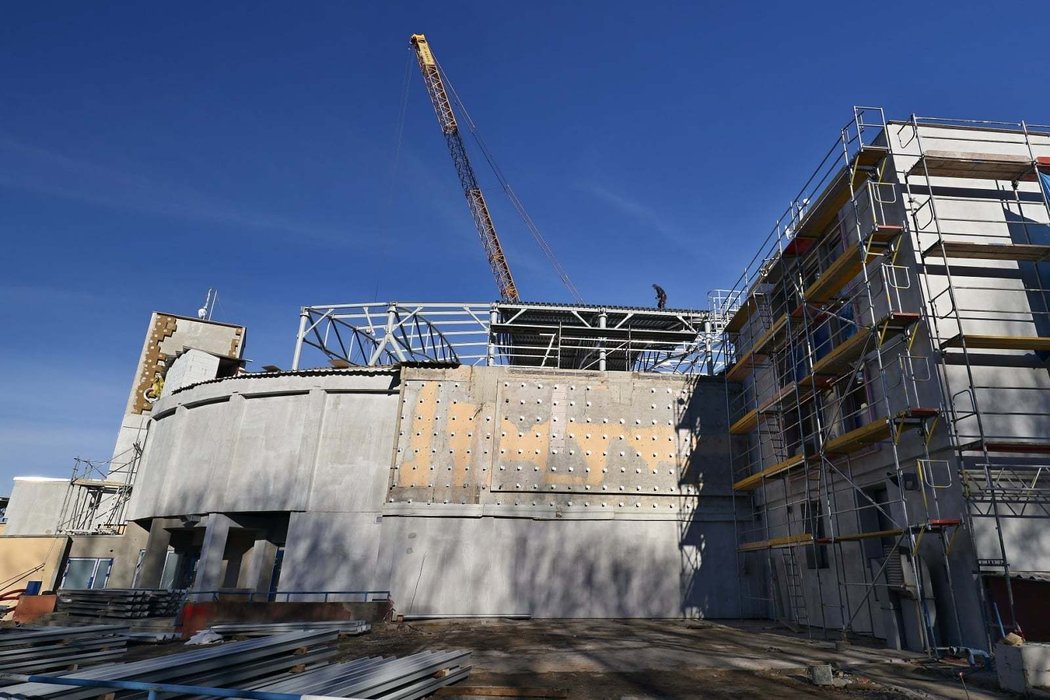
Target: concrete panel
[
  {"x": 190, "y": 367},
  {"x": 332, "y": 552},
  {"x": 553, "y": 437},
  {"x": 36, "y": 505},
  {"x": 355, "y": 446},
  {"x": 269, "y": 468},
  {"x": 557, "y": 568},
  {"x": 249, "y": 444}
]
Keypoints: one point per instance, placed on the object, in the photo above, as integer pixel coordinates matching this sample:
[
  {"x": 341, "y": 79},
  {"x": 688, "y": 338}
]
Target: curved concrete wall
[
  {"x": 469, "y": 490},
  {"x": 309, "y": 442}
]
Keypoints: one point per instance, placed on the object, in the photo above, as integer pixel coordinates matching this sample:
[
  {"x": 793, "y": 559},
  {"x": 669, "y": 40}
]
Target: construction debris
[
  {"x": 345, "y": 628},
  {"x": 821, "y": 674},
  {"x": 204, "y": 637},
  {"x": 122, "y": 603}
]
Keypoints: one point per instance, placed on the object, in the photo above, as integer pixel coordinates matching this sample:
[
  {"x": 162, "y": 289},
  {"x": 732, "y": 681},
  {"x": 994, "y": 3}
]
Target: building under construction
[
  {"x": 890, "y": 397},
  {"x": 852, "y": 440}
]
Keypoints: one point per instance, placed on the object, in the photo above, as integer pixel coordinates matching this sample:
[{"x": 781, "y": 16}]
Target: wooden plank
[
  {"x": 844, "y": 268},
  {"x": 743, "y": 365},
  {"x": 843, "y": 354},
  {"x": 753, "y": 481},
  {"x": 876, "y": 431},
  {"x": 745, "y": 424},
  {"x": 849, "y": 264},
  {"x": 101, "y": 484},
  {"x": 1033, "y": 447},
  {"x": 764, "y": 340},
  {"x": 868, "y": 434},
  {"x": 826, "y": 208},
  {"x": 1027, "y": 252},
  {"x": 978, "y": 166},
  {"x": 742, "y": 315},
  {"x": 998, "y": 342},
  {"x": 776, "y": 542}
]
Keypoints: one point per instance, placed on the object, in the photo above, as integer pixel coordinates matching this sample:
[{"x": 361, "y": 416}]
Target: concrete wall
[
  {"x": 561, "y": 494},
  {"x": 36, "y": 505},
  {"x": 463, "y": 491},
  {"x": 191, "y": 367},
  {"x": 258, "y": 443},
  {"x": 122, "y": 549}
]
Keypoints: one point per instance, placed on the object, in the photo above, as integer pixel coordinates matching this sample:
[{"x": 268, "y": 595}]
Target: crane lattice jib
[{"x": 479, "y": 209}]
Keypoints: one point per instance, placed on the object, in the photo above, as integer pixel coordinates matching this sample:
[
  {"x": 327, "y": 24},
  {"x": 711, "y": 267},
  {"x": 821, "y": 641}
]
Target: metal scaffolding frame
[
  {"x": 98, "y": 494},
  {"x": 986, "y": 272},
  {"x": 677, "y": 341},
  {"x": 832, "y": 401}
]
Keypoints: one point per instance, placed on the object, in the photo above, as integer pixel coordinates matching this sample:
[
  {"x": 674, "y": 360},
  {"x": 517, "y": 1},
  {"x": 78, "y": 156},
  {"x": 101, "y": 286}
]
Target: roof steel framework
[{"x": 564, "y": 336}]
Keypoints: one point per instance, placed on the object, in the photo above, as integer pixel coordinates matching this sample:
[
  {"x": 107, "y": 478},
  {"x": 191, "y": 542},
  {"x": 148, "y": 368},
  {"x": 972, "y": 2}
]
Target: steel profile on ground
[
  {"x": 244, "y": 674},
  {"x": 26, "y": 636},
  {"x": 59, "y": 648},
  {"x": 292, "y": 663},
  {"x": 188, "y": 666},
  {"x": 376, "y": 678},
  {"x": 344, "y": 627}
]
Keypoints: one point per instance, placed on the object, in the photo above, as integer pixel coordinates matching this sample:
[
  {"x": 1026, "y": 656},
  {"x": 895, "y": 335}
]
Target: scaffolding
[
  {"x": 564, "y": 336},
  {"x": 835, "y": 423},
  {"x": 97, "y": 497},
  {"x": 982, "y": 235}
]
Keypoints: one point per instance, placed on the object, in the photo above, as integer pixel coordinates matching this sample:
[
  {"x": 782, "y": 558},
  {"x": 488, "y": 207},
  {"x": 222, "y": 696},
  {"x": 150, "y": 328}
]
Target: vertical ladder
[{"x": 796, "y": 593}]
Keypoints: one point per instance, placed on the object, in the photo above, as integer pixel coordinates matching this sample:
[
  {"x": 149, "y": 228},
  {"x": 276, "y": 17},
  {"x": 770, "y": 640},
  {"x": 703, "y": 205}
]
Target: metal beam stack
[
  {"x": 59, "y": 648},
  {"x": 414, "y": 676},
  {"x": 295, "y": 663},
  {"x": 345, "y": 628},
  {"x": 224, "y": 665},
  {"x": 122, "y": 603}
]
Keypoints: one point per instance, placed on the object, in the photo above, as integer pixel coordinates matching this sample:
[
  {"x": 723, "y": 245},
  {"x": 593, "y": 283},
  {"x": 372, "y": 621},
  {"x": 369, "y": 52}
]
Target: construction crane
[
  {"x": 475, "y": 200},
  {"x": 479, "y": 209}
]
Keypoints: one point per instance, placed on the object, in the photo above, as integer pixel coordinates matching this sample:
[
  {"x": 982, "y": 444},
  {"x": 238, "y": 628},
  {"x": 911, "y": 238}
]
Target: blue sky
[{"x": 149, "y": 151}]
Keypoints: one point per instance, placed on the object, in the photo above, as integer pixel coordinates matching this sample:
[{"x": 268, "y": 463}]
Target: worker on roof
[{"x": 661, "y": 297}]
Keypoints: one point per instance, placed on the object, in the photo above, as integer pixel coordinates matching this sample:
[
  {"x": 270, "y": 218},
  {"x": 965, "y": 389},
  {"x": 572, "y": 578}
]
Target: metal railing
[{"x": 287, "y": 596}]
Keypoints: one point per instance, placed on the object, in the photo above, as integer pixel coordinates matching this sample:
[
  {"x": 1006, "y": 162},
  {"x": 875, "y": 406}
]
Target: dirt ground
[
  {"x": 649, "y": 659},
  {"x": 659, "y": 659}
]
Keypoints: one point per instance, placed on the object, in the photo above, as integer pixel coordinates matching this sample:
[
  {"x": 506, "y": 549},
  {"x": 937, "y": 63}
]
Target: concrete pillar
[
  {"x": 260, "y": 566},
  {"x": 156, "y": 552},
  {"x": 210, "y": 565}
]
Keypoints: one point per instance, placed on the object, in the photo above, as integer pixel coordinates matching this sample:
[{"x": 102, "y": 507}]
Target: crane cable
[
  {"x": 399, "y": 132},
  {"x": 511, "y": 195}
]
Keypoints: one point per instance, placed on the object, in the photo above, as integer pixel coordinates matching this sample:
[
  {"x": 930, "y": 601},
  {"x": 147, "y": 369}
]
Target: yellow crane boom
[{"x": 479, "y": 209}]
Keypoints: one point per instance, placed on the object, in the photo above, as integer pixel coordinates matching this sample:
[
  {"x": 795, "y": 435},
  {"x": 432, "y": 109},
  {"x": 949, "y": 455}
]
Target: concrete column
[
  {"x": 260, "y": 566},
  {"x": 210, "y": 564},
  {"x": 156, "y": 552}
]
